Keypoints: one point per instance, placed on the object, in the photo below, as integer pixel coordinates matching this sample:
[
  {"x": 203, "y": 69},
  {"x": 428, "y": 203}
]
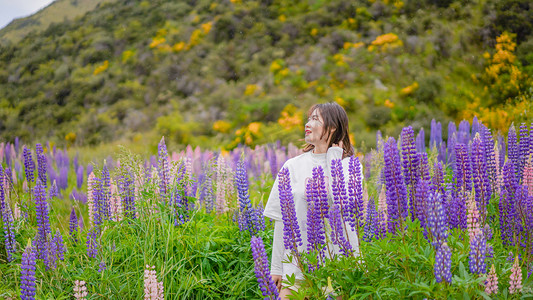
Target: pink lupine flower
[
  {"x": 80, "y": 290},
  {"x": 221, "y": 205},
  {"x": 527, "y": 178},
  {"x": 515, "y": 281},
  {"x": 472, "y": 217},
  {"x": 491, "y": 285},
  {"x": 382, "y": 201},
  {"x": 115, "y": 203},
  {"x": 90, "y": 199},
  {"x": 499, "y": 170},
  {"x": 365, "y": 200},
  {"x": 153, "y": 289}
]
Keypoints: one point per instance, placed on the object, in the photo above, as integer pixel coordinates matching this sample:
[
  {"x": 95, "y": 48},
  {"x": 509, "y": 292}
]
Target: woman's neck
[{"x": 320, "y": 149}]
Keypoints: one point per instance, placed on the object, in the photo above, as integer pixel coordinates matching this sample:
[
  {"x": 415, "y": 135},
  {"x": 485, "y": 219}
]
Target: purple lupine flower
[
  {"x": 62, "y": 180},
  {"x": 490, "y": 157},
  {"x": 43, "y": 221},
  {"x": 101, "y": 267},
  {"x": 462, "y": 178},
  {"x": 422, "y": 193},
  {"x": 452, "y": 142},
  {"x": 322, "y": 197},
  {"x": 371, "y": 224},
  {"x": 241, "y": 181},
  {"x": 79, "y": 177},
  {"x": 262, "y": 269},
  {"x": 60, "y": 246},
  {"x": 127, "y": 194},
  {"x": 355, "y": 189},
  {"x": 92, "y": 242},
  {"x": 436, "y": 226},
  {"x": 9, "y": 231},
  {"x": 442, "y": 152},
  {"x": 207, "y": 196},
  {"x": 435, "y": 137},
  {"x": 340, "y": 198},
  {"x": 523, "y": 149},
  {"x": 291, "y": 231},
  {"x": 90, "y": 169},
  {"x": 181, "y": 208},
  {"x": 396, "y": 189},
  {"x": 73, "y": 226},
  {"x": 29, "y": 165},
  {"x": 316, "y": 238},
  {"x": 41, "y": 165},
  {"x": 51, "y": 258},
  {"x": 410, "y": 165},
  {"x": 502, "y": 150},
  {"x": 480, "y": 177},
  {"x": 163, "y": 168},
  {"x": 443, "y": 263},
  {"x": 273, "y": 161},
  {"x": 27, "y": 274},
  {"x": 437, "y": 184},
  {"x": 476, "y": 126},
  {"x": 53, "y": 192},
  {"x": 337, "y": 231},
  {"x": 463, "y": 136},
  {"x": 513, "y": 150},
  {"x": 97, "y": 196},
  {"x": 105, "y": 190},
  {"x": 477, "y": 254},
  {"x": 420, "y": 141},
  {"x": 507, "y": 204}
]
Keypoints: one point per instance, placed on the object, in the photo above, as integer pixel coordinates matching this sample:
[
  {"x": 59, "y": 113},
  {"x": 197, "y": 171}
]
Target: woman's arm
[{"x": 276, "y": 268}]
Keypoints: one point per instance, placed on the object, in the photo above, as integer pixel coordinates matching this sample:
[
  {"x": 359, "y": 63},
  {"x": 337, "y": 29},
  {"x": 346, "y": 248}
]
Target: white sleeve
[{"x": 277, "y": 249}]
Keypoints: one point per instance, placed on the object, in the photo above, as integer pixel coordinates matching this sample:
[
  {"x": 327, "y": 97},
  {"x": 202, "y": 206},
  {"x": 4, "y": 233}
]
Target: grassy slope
[{"x": 57, "y": 11}]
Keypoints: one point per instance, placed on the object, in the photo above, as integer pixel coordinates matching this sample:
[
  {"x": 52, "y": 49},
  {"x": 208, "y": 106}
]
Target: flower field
[{"x": 450, "y": 219}]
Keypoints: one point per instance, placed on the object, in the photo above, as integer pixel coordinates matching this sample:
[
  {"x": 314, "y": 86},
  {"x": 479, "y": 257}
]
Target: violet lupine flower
[
  {"x": 315, "y": 225},
  {"x": 105, "y": 194},
  {"x": 463, "y": 136},
  {"x": 273, "y": 161},
  {"x": 346, "y": 208},
  {"x": 477, "y": 254},
  {"x": 396, "y": 190},
  {"x": 128, "y": 196},
  {"x": 163, "y": 168},
  {"x": 435, "y": 136},
  {"x": 462, "y": 178},
  {"x": 437, "y": 182},
  {"x": 73, "y": 226},
  {"x": 9, "y": 230},
  {"x": 262, "y": 269},
  {"x": 53, "y": 191},
  {"x": 422, "y": 193},
  {"x": 480, "y": 177},
  {"x": 43, "y": 221},
  {"x": 181, "y": 207},
  {"x": 337, "y": 231},
  {"x": 79, "y": 177},
  {"x": 27, "y": 274},
  {"x": 420, "y": 141},
  {"x": 245, "y": 205},
  {"x": 291, "y": 231},
  {"x": 452, "y": 142},
  {"x": 443, "y": 263},
  {"x": 410, "y": 165},
  {"x": 97, "y": 196},
  {"x": 101, "y": 267},
  {"x": 490, "y": 155},
  {"x": 507, "y": 204},
  {"x": 491, "y": 284},
  {"x": 60, "y": 246},
  {"x": 92, "y": 242},
  {"x": 29, "y": 165},
  {"x": 41, "y": 163},
  {"x": 515, "y": 280},
  {"x": 513, "y": 151},
  {"x": 436, "y": 226},
  {"x": 523, "y": 149},
  {"x": 51, "y": 258},
  {"x": 355, "y": 189},
  {"x": 476, "y": 126},
  {"x": 371, "y": 224}
]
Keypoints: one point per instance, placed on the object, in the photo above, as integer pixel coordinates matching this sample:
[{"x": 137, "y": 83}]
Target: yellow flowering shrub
[
  {"x": 250, "y": 89},
  {"x": 222, "y": 126},
  {"x": 389, "y": 103},
  {"x": 101, "y": 68},
  {"x": 290, "y": 117},
  {"x": 348, "y": 45},
  {"x": 408, "y": 90},
  {"x": 314, "y": 32},
  {"x": 385, "y": 42},
  {"x": 179, "y": 46},
  {"x": 157, "y": 41},
  {"x": 127, "y": 56}
]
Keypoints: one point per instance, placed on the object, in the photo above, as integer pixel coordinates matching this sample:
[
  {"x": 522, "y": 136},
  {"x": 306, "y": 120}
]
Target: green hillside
[
  {"x": 226, "y": 72},
  {"x": 57, "y": 11}
]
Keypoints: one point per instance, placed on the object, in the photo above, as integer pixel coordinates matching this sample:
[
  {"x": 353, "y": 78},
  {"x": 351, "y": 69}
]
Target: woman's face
[{"x": 314, "y": 129}]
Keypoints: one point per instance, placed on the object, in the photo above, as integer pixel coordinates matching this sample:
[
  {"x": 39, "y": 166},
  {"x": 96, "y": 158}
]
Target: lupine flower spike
[
  {"x": 515, "y": 281},
  {"x": 491, "y": 285},
  {"x": 27, "y": 275},
  {"x": 80, "y": 290},
  {"x": 261, "y": 269},
  {"x": 153, "y": 289}
]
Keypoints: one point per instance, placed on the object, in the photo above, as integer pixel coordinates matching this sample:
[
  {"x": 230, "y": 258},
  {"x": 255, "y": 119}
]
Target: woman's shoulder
[{"x": 295, "y": 161}]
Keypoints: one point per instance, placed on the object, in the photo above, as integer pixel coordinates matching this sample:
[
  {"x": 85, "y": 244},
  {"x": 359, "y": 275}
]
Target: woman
[{"x": 326, "y": 135}]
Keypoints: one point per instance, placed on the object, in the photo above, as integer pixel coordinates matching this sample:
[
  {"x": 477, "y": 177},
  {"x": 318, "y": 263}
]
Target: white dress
[{"x": 301, "y": 168}]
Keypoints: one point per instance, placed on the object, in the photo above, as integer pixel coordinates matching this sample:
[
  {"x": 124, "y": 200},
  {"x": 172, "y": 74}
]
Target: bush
[{"x": 430, "y": 87}]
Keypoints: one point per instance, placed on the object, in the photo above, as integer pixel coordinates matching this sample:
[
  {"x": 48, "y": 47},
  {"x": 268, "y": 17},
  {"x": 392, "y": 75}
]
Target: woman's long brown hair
[{"x": 334, "y": 117}]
